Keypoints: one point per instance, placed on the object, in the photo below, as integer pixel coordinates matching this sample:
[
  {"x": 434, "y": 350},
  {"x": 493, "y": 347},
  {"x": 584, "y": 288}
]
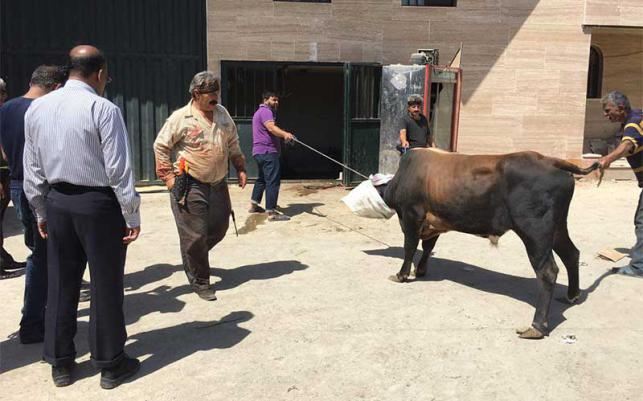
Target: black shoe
[
  {"x": 207, "y": 293},
  {"x": 32, "y": 338},
  {"x": 113, "y": 377},
  {"x": 4, "y": 275},
  {"x": 13, "y": 265},
  {"x": 84, "y": 296},
  {"x": 256, "y": 209},
  {"x": 61, "y": 375}
]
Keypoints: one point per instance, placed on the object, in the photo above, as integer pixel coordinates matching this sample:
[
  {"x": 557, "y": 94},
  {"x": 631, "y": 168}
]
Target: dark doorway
[
  {"x": 332, "y": 107},
  {"x": 311, "y": 106},
  {"x": 312, "y": 109}
]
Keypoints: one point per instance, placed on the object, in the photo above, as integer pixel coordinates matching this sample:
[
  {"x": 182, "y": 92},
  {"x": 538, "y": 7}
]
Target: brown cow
[{"x": 434, "y": 192}]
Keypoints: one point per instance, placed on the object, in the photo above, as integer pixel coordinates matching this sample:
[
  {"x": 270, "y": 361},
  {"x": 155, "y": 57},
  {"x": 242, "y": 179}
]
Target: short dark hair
[
  {"x": 47, "y": 76},
  {"x": 414, "y": 99},
  {"x": 268, "y": 94},
  {"x": 87, "y": 65}
]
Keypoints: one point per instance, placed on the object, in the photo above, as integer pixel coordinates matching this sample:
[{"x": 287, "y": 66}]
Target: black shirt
[
  {"x": 417, "y": 131},
  {"x": 12, "y": 133}
]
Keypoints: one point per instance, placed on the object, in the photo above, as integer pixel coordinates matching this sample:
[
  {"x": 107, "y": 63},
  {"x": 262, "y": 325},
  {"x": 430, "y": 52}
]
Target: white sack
[{"x": 364, "y": 201}]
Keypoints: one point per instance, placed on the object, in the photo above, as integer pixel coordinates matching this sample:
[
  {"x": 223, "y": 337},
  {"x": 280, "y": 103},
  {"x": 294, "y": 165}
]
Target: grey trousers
[
  {"x": 202, "y": 222},
  {"x": 636, "y": 253}
]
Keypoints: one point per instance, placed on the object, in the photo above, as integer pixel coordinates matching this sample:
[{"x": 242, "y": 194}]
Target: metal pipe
[{"x": 455, "y": 115}]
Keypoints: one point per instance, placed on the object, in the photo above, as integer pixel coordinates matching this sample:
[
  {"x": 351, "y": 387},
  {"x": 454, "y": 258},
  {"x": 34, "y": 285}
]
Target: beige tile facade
[
  {"x": 524, "y": 61},
  {"x": 622, "y": 51},
  {"x": 614, "y": 12}
]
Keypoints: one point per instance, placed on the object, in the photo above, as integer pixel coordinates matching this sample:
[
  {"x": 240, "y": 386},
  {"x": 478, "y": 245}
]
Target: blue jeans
[
  {"x": 269, "y": 180},
  {"x": 35, "y": 298}
]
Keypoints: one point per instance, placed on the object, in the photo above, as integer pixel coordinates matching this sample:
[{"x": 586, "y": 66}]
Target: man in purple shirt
[{"x": 265, "y": 150}]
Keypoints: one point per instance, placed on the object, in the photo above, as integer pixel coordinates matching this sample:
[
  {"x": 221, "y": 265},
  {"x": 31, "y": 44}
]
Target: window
[
  {"x": 595, "y": 73},
  {"x": 365, "y": 92},
  {"x": 429, "y": 3},
  {"x": 306, "y": 1},
  {"x": 246, "y": 82}
]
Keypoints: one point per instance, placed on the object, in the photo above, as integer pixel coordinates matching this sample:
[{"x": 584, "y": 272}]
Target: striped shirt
[{"x": 74, "y": 136}]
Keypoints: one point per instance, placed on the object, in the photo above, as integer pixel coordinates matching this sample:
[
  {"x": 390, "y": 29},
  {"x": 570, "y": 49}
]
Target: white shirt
[{"x": 72, "y": 135}]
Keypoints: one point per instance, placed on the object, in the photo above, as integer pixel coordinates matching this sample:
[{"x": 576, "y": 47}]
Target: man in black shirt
[
  {"x": 6, "y": 260},
  {"x": 44, "y": 79},
  {"x": 414, "y": 126}
]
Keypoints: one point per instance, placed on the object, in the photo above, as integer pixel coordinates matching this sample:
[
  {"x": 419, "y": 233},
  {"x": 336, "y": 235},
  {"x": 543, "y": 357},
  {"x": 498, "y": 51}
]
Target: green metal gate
[
  {"x": 153, "y": 48},
  {"x": 362, "y": 84}
]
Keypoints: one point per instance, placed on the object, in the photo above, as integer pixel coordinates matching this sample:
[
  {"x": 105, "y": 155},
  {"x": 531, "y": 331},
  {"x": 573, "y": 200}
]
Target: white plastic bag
[{"x": 365, "y": 201}]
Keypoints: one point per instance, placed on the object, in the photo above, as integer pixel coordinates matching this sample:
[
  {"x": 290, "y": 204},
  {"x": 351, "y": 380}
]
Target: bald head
[{"x": 85, "y": 60}]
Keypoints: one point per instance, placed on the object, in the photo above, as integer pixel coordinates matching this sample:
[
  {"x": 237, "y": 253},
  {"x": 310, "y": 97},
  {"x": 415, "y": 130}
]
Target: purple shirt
[{"x": 262, "y": 140}]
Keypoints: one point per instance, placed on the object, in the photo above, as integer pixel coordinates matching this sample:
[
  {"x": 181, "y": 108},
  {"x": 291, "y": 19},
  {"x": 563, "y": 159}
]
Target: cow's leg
[
  {"x": 411, "y": 224},
  {"x": 542, "y": 261},
  {"x": 569, "y": 254},
  {"x": 427, "y": 247}
]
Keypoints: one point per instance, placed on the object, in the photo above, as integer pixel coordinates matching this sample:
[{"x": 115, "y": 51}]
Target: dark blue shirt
[
  {"x": 12, "y": 133},
  {"x": 633, "y": 132}
]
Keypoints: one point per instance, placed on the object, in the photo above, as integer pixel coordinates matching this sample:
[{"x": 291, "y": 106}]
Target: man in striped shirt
[
  {"x": 78, "y": 180},
  {"x": 617, "y": 108}
]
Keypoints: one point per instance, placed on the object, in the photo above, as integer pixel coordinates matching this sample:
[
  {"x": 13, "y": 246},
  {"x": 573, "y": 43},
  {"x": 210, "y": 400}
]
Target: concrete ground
[{"x": 305, "y": 312}]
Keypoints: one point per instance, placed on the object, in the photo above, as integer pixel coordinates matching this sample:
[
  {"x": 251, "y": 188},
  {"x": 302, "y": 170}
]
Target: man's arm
[
  {"x": 278, "y": 132},
  {"x": 35, "y": 182},
  {"x": 118, "y": 168},
  {"x": 625, "y": 148},
  {"x": 165, "y": 141},
  {"x": 403, "y": 141},
  {"x": 236, "y": 155}
]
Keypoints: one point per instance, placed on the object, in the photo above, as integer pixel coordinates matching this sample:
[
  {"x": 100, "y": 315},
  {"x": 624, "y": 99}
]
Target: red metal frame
[{"x": 427, "y": 89}]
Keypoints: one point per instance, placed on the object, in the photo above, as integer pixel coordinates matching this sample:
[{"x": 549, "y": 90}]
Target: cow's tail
[{"x": 574, "y": 169}]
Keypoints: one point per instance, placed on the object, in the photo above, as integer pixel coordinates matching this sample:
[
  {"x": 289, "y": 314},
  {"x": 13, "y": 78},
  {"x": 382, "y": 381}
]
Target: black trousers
[
  {"x": 85, "y": 226},
  {"x": 202, "y": 223}
]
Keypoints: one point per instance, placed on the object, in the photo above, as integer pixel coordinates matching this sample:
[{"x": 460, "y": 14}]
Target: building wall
[
  {"x": 524, "y": 61},
  {"x": 614, "y": 12}
]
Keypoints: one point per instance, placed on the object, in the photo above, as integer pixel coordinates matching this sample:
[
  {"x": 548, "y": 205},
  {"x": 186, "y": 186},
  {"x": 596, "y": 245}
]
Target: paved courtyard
[{"x": 305, "y": 312}]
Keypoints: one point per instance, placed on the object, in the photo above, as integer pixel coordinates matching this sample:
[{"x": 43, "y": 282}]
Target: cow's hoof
[
  {"x": 569, "y": 300},
  {"x": 574, "y": 299},
  {"x": 398, "y": 279},
  {"x": 530, "y": 333}
]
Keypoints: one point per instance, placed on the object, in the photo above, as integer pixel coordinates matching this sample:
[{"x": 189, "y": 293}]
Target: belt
[
  {"x": 67, "y": 188},
  {"x": 212, "y": 184}
]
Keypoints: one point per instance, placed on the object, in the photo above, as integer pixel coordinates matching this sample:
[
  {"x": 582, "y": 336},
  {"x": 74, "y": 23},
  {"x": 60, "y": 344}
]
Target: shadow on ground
[
  {"x": 164, "y": 346},
  {"x": 14, "y": 355},
  {"x": 519, "y": 288},
  {"x": 171, "y": 344},
  {"x": 231, "y": 278},
  {"x": 294, "y": 209}
]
